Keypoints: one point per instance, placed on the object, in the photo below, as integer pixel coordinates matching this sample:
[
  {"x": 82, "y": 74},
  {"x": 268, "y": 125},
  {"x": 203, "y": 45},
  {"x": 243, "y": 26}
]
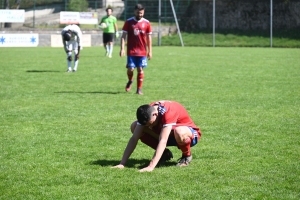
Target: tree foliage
[
  {"x": 25, "y": 4},
  {"x": 78, "y": 5}
]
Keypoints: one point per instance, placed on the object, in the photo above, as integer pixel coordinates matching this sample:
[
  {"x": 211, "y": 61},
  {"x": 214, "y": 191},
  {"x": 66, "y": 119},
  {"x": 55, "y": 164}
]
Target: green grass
[
  {"x": 233, "y": 39},
  {"x": 61, "y": 132}
]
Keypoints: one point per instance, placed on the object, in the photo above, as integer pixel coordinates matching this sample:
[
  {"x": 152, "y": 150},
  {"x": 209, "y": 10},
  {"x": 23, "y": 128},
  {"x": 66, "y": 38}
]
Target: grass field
[
  {"x": 61, "y": 132},
  {"x": 290, "y": 39}
]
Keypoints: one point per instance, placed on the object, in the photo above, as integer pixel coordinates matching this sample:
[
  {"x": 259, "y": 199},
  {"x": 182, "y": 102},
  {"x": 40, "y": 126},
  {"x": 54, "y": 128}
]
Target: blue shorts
[
  {"x": 136, "y": 61},
  {"x": 172, "y": 141}
]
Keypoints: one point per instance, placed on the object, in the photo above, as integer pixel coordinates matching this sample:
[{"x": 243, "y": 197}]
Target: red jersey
[
  {"x": 171, "y": 113},
  {"x": 137, "y": 32}
]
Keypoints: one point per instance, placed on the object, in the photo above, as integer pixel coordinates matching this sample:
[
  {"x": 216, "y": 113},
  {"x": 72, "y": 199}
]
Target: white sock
[
  {"x": 76, "y": 65},
  {"x": 111, "y": 49},
  {"x": 69, "y": 62}
]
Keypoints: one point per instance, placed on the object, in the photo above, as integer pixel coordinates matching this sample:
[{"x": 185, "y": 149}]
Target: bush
[
  {"x": 78, "y": 5},
  {"x": 26, "y": 4}
]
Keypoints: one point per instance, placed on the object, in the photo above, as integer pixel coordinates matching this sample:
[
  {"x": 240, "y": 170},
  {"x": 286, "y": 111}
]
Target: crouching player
[
  {"x": 161, "y": 124},
  {"x": 71, "y": 38}
]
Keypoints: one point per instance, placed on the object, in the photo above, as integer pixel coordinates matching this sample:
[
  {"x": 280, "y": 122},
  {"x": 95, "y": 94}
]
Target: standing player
[
  {"x": 139, "y": 31},
  {"x": 161, "y": 124},
  {"x": 71, "y": 38},
  {"x": 109, "y": 30}
]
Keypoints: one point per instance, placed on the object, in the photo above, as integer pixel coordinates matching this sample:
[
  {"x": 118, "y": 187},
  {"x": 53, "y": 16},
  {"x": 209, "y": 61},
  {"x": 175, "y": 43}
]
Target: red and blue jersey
[
  {"x": 137, "y": 33},
  {"x": 172, "y": 113}
]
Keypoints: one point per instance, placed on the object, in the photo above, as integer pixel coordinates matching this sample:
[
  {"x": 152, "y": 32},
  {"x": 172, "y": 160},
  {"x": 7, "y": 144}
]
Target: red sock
[
  {"x": 186, "y": 147},
  {"x": 140, "y": 78},
  {"x": 149, "y": 141},
  {"x": 130, "y": 75}
]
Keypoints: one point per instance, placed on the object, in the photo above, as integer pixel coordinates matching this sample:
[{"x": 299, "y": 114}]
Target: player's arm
[
  {"x": 138, "y": 131},
  {"x": 64, "y": 43},
  {"x": 163, "y": 139},
  {"x": 79, "y": 40},
  {"x": 102, "y": 20},
  {"x": 69, "y": 53},
  {"x": 149, "y": 45},
  {"x": 123, "y": 39},
  {"x": 116, "y": 29}
]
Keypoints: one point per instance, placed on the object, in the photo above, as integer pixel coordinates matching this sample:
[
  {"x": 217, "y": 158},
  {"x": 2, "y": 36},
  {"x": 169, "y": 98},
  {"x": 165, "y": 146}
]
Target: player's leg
[
  {"x": 105, "y": 43},
  {"x": 185, "y": 138},
  {"x": 142, "y": 62},
  {"x": 130, "y": 79},
  {"x": 140, "y": 79},
  {"x": 76, "y": 60},
  {"x": 110, "y": 45},
  {"x": 130, "y": 69},
  {"x": 69, "y": 56},
  {"x": 106, "y": 47}
]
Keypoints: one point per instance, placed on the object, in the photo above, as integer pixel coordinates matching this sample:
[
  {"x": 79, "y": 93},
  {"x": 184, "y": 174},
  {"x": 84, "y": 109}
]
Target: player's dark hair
[
  {"x": 67, "y": 36},
  {"x": 139, "y": 7},
  {"x": 143, "y": 113},
  {"x": 108, "y": 9}
]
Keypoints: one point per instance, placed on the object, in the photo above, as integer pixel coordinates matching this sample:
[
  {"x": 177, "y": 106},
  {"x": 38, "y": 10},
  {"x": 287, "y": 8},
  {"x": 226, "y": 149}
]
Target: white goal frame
[{"x": 159, "y": 22}]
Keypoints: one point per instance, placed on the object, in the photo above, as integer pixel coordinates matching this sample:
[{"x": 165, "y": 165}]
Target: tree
[
  {"x": 18, "y": 2},
  {"x": 78, "y": 5},
  {"x": 16, "y": 5}
]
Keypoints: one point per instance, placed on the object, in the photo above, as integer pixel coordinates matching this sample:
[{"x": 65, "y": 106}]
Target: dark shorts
[
  {"x": 172, "y": 141},
  {"x": 108, "y": 37}
]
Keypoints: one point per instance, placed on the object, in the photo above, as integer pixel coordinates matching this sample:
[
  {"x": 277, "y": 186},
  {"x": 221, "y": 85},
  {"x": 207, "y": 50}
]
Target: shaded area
[
  {"x": 291, "y": 34},
  {"x": 131, "y": 163},
  {"x": 41, "y": 71},
  {"x": 96, "y": 92}
]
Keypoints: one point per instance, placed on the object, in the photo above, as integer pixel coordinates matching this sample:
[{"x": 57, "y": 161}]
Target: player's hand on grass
[
  {"x": 118, "y": 166},
  {"x": 146, "y": 169},
  {"x": 77, "y": 56}
]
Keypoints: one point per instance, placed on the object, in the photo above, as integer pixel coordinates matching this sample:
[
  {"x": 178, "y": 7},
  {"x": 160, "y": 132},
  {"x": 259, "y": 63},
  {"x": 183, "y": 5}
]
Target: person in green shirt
[{"x": 109, "y": 26}]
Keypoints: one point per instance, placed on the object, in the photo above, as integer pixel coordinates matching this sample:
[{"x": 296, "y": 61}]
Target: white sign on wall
[
  {"x": 19, "y": 40},
  {"x": 17, "y": 16},
  {"x": 78, "y": 17},
  {"x": 69, "y": 17},
  {"x": 88, "y": 18}
]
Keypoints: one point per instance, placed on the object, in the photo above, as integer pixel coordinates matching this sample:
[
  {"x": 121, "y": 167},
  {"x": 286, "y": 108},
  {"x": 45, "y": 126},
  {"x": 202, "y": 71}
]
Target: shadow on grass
[
  {"x": 41, "y": 71},
  {"x": 131, "y": 163},
  {"x": 97, "y": 92}
]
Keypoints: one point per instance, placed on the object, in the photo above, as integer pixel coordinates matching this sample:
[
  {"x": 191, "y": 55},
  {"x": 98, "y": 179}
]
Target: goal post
[
  {"x": 176, "y": 21},
  {"x": 159, "y": 22}
]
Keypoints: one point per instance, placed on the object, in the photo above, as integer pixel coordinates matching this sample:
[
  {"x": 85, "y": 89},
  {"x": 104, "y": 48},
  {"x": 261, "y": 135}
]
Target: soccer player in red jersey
[
  {"x": 139, "y": 46},
  {"x": 161, "y": 124}
]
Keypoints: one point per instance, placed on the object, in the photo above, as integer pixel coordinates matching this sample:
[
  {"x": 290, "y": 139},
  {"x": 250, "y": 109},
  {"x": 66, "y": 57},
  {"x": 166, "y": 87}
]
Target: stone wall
[{"x": 242, "y": 15}]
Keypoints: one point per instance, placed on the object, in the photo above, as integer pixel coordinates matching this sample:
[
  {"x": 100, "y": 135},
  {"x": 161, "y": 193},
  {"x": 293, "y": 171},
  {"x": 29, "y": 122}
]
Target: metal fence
[{"x": 265, "y": 18}]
